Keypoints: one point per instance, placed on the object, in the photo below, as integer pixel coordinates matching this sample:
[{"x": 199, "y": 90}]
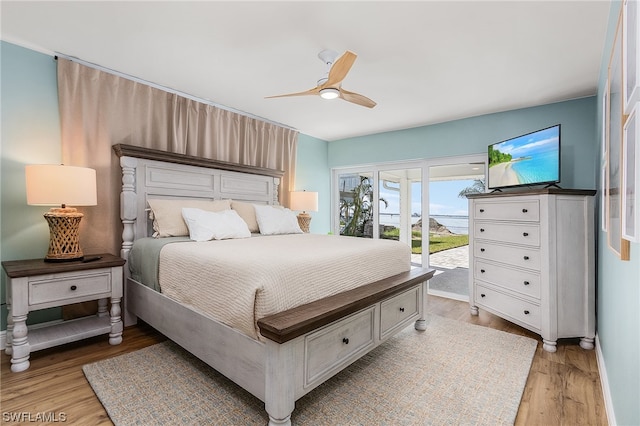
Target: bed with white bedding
[{"x": 277, "y": 314}]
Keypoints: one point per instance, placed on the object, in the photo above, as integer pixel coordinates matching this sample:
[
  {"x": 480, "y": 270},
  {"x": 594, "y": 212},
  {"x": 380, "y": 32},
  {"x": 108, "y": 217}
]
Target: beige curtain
[{"x": 99, "y": 109}]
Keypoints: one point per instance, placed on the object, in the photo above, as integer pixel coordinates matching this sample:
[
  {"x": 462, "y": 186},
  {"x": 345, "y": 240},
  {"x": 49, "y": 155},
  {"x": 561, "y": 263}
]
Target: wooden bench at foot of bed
[{"x": 312, "y": 342}]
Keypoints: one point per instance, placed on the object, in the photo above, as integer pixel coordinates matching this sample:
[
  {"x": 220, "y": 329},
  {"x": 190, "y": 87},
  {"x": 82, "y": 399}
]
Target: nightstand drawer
[{"x": 72, "y": 287}]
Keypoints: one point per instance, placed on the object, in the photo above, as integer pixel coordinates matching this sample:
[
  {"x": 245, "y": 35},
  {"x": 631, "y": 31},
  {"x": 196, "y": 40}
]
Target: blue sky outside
[{"x": 443, "y": 194}]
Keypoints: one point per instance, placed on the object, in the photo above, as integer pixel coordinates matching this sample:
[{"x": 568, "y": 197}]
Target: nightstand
[{"x": 35, "y": 284}]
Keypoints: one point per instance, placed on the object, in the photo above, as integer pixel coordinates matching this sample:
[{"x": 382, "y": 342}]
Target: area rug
[{"x": 453, "y": 373}]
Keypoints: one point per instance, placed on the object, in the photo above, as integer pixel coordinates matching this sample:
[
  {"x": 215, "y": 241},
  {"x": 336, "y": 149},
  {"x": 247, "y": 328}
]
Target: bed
[{"x": 310, "y": 310}]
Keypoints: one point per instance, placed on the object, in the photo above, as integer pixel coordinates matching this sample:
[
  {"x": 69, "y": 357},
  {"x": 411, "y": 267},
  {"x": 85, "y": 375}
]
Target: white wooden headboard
[{"x": 149, "y": 174}]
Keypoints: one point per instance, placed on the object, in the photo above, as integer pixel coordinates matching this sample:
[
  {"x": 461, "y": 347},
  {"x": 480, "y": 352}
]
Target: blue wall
[
  {"x": 30, "y": 135},
  {"x": 473, "y": 135},
  {"x": 618, "y": 296},
  {"x": 313, "y": 174}
]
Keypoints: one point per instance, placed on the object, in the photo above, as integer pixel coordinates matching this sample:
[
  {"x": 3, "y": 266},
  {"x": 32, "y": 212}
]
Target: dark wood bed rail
[{"x": 292, "y": 323}]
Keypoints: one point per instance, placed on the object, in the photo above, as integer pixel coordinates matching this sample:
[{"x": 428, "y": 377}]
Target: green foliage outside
[
  {"x": 437, "y": 242},
  {"x": 496, "y": 157}
]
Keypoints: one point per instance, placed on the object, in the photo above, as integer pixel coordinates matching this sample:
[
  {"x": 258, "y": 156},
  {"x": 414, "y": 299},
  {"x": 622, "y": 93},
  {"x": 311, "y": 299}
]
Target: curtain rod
[{"x": 167, "y": 89}]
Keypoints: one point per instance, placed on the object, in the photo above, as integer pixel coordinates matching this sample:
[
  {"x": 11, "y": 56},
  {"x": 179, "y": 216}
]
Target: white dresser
[{"x": 532, "y": 258}]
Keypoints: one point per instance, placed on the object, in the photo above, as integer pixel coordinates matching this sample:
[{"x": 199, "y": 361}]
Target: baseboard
[
  {"x": 604, "y": 383},
  {"x": 3, "y": 340}
]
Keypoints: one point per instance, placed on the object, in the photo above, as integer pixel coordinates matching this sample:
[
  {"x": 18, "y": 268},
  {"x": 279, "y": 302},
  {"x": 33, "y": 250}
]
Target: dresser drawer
[
  {"x": 504, "y": 304},
  {"x": 526, "y": 234},
  {"x": 72, "y": 287},
  {"x": 522, "y": 281},
  {"x": 398, "y": 310},
  {"x": 516, "y": 256},
  {"x": 522, "y": 211},
  {"x": 337, "y": 345}
]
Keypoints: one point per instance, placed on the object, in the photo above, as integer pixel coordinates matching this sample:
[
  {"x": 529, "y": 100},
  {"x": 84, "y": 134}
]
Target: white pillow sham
[
  {"x": 276, "y": 220},
  {"x": 206, "y": 225}
]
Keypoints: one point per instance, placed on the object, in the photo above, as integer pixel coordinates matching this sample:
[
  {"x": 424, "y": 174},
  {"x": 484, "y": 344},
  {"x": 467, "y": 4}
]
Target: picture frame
[
  {"x": 615, "y": 163},
  {"x": 630, "y": 177},
  {"x": 630, "y": 59}
]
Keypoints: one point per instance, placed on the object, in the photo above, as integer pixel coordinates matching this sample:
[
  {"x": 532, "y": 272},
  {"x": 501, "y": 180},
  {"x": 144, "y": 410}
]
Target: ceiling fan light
[{"x": 329, "y": 93}]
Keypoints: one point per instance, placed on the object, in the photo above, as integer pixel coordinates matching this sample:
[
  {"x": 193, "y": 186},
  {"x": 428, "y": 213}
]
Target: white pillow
[
  {"x": 276, "y": 220},
  {"x": 205, "y": 225}
]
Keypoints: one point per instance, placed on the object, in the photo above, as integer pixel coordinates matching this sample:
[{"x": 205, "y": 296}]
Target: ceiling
[{"x": 422, "y": 62}]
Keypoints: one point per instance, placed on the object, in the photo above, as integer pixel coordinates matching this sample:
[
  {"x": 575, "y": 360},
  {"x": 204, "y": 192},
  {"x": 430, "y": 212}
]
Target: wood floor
[{"x": 563, "y": 388}]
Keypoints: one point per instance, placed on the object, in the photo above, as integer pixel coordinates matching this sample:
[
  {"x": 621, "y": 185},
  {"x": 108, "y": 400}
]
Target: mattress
[{"x": 239, "y": 281}]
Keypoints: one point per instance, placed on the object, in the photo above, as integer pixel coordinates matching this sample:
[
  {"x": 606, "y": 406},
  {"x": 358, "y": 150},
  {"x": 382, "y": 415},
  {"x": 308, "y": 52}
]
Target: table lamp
[
  {"x": 304, "y": 201},
  {"x": 57, "y": 185}
]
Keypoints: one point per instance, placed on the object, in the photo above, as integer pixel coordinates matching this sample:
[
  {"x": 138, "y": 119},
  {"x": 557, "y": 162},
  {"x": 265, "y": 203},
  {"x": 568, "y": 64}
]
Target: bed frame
[{"x": 304, "y": 346}]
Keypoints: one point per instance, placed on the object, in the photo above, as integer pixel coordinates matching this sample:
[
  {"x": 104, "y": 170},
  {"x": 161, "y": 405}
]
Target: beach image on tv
[{"x": 528, "y": 159}]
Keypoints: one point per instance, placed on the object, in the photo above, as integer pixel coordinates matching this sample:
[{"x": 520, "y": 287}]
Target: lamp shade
[
  {"x": 304, "y": 201},
  {"x": 52, "y": 184}
]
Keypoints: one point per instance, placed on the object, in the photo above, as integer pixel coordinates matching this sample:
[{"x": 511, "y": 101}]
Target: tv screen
[{"x": 529, "y": 159}]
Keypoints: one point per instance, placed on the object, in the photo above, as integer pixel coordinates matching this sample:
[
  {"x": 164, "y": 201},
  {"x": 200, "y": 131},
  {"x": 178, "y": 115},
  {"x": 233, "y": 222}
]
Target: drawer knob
[
  {"x": 482, "y": 295},
  {"x": 74, "y": 288},
  {"x": 526, "y": 283},
  {"x": 526, "y": 312},
  {"x": 482, "y": 250},
  {"x": 401, "y": 309},
  {"x": 345, "y": 340},
  {"x": 526, "y": 258},
  {"x": 481, "y": 210},
  {"x": 524, "y": 210},
  {"x": 525, "y": 234},
  {"x": 482, "y": 271},
  {"x": 481, "y": 229}
]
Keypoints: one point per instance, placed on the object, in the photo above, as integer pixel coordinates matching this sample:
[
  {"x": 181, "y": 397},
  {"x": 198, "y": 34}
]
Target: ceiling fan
[{"x": 330, "y": 85}]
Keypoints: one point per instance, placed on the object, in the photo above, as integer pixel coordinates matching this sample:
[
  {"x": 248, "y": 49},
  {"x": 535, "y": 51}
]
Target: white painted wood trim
[{"x": 604, "y": 383}]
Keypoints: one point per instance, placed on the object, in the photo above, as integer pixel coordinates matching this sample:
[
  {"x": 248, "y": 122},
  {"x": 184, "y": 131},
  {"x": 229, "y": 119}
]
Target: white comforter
[{"x": 240, "y": 281}]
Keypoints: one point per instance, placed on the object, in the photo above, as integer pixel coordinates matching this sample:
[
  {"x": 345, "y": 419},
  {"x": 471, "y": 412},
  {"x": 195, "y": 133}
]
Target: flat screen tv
[{"x": 530, "y": 159}]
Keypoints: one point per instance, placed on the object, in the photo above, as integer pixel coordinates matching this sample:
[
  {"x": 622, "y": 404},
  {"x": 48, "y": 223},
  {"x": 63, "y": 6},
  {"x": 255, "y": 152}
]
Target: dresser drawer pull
[
  {"x": 481, "y": 210},
  {"x": 526, "y": 283},
  {"x": 524, "y": 210},
  {"x": 482, "y": 271},
  {"x": 526, "y": 312},
  {"x": 401, "y": 309},
  {"x": 74, "y": 288},
  {"x": 481, "y": 229},
  {"x": 525, "y": 234},
  {"x": 482, "y": 295},
  {"x": 345, "y": 340},
  {"x": 482, "y": 250},
  {"x": 526, "y": 258}
]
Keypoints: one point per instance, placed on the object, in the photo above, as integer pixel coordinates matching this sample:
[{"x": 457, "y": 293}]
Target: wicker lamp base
[
  {"x": 64, "y": 244},
  {"x": 304, "y": 220}
]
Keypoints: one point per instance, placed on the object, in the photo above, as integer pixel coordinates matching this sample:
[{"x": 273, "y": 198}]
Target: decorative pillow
[
  {"x": 205, "y": 225},
  {"x": 276, "y": 220},
  {"x": 247, "y": 213},
  {"x": 167, "y": 214}
]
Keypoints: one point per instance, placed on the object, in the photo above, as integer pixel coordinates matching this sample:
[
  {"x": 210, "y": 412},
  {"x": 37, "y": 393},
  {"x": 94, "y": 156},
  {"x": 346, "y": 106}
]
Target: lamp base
[
  {"x": 304, "y": 220},
  {"x": 64, "y": 244}
]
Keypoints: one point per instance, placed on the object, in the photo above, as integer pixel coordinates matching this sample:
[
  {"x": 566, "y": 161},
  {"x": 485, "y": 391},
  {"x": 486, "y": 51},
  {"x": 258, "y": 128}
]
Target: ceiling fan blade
[
  {"x": 313, "y": 91},
  {"x": 356, "y": 98},
  {"x": 340, "y": 68}
]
